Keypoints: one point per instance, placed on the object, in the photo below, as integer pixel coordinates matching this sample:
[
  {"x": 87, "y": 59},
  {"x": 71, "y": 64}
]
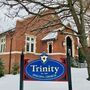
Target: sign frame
[
  {"x": 50, "y": 64},
  {"x": 67, "y": 75}
]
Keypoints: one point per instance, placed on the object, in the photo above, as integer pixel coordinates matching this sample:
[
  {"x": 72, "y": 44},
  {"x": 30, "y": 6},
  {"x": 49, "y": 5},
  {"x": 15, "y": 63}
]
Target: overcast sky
[{"x": 6, "y": 22}]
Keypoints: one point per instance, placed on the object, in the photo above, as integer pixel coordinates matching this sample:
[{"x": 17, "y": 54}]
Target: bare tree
[{"x": 72, "y": 11}]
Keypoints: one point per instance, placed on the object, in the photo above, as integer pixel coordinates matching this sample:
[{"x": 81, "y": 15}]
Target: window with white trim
[
  {"x": 2, "y": 44},
  {"x": 50, "y": 46},
  {"x": 30, "y": 44}
]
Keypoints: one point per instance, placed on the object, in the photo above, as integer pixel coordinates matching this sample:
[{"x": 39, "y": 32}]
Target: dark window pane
[
  {"x": 1, "y": 40},
  {"x": 32, "y": 47},
  {"x": 32, "y": 39},
  {"x": 3, "y": 47},
  {"x": 50, "y": 48},
  {"x": 28, "y": 38},
  {"x": 27, "y": 47}
]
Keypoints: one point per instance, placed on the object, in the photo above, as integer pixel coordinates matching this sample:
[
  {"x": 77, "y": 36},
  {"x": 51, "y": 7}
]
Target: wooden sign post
[
  {"x": 69, "y": 70},
  {"x": 21, "y": 70}
]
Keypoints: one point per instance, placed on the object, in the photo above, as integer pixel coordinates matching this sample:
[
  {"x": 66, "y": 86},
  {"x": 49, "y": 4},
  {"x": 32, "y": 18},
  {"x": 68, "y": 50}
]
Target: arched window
[
  {"x": 50, "y": 47},
  {"x": 69, "y": 45}
]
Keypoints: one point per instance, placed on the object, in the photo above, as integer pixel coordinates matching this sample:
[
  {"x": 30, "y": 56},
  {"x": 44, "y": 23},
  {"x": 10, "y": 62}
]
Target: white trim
[
  {"x": 52, "y": 53},
  {"x": 13, "y": 52},
  {"x": 49, "y": 42},
  {"x": 19, "y": 52},
  {"x": 56, "y": 53},
  {"x": 59, "y": 29},
  {"x": 30, "y": 42}
]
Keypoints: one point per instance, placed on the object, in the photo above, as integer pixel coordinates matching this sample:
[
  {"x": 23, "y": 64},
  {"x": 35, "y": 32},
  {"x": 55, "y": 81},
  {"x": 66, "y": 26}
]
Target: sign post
[
  {"x": 21, "y": 70},
  {"x": 69, "y": 70}
]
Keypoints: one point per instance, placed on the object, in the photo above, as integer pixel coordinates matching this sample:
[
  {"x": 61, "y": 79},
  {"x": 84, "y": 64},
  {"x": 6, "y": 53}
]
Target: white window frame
[
  {"x": 48, "y": 43},
  {"x": 30, "y": 42},
  {"x": 2, "y": 43}
]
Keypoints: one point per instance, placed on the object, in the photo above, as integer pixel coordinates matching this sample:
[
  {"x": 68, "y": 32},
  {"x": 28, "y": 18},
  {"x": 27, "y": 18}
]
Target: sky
[{"x": 7, "y": 22}]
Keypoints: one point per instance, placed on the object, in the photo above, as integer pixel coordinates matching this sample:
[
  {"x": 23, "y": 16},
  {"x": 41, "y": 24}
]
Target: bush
[
  {"x": 1, "y": 68},
  {"x": 73, "y": 62},
  {"x": 15, "y": 69}
]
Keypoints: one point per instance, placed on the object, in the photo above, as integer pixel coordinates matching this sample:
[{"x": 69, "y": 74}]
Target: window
[
  {"x": 30, "y": 43},
  {"x": 50, "y": 47},
  {"x": 2, "y": 43}
]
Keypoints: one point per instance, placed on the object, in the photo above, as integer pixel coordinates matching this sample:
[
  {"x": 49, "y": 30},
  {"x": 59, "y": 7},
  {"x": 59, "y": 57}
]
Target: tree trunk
[
  {"x": 86, "y": 52},
  {"x": 88, "y": 62},
  {"x": 79, "y": 21},
  {"x": 88, "y": 67}
]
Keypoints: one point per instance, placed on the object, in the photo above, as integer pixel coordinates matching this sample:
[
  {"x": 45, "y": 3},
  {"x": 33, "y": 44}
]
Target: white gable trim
[{"x": 50, "y": 36}]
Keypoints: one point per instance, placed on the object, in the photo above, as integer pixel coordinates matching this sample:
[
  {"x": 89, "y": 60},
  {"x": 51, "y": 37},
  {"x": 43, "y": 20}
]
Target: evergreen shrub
[
  {"x": 1, "y": 68},
  {"x": 15, "y": 69}
]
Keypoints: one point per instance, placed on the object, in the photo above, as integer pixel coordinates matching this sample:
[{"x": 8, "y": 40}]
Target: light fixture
[{"x": 64, "y": 43}]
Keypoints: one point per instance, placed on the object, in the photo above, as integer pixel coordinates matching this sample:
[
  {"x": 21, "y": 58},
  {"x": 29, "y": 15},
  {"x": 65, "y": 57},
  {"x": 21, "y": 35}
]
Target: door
[{"x": 69, "y": 45}]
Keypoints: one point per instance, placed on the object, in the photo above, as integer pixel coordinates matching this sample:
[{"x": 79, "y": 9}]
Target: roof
[{"x": 50, "y": 36}]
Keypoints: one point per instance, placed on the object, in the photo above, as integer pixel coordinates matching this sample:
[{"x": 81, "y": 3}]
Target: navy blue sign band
[{"x": 45, "y": 69}]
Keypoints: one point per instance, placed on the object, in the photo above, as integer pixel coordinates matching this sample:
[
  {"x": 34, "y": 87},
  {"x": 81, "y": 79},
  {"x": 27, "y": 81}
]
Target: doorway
[{"x": 69, "y": 46}]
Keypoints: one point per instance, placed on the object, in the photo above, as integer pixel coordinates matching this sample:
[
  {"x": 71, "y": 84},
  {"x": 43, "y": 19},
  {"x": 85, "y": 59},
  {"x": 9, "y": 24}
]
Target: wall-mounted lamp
[
  {"x": 78, "y": 46},
  {"x": 64, "y": 43}
]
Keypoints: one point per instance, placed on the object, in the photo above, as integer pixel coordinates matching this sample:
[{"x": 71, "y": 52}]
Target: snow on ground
[{"x": 79, "y": 82}]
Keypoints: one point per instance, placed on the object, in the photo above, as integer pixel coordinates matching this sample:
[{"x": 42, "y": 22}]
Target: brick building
[{"x": 27, "y": 35}]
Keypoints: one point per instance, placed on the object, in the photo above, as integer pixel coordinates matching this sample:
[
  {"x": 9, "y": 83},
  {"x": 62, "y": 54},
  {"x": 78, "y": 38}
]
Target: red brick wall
[{"x": 25, "y": 27}]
